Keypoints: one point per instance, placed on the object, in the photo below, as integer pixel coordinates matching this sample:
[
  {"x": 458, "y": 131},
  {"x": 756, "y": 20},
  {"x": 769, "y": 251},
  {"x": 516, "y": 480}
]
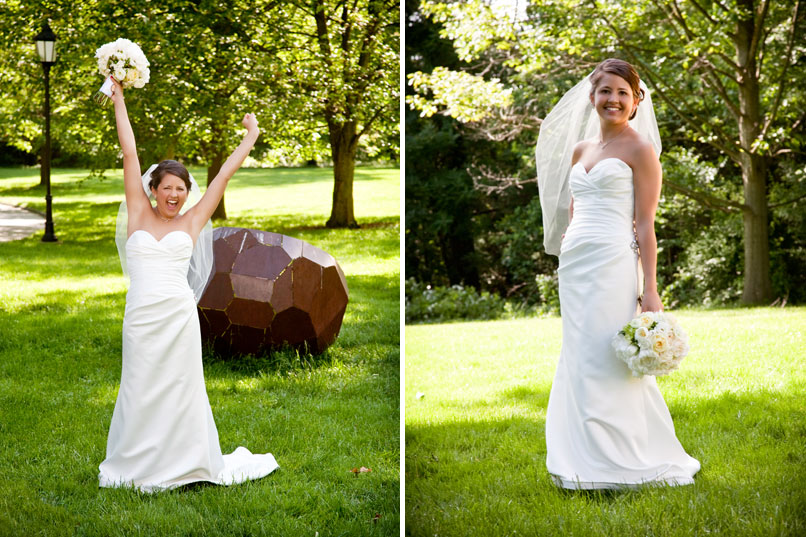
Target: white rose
[
  {"x": 646, "y": 319},
  {"x": 660, "y": 343},
  {"x": 663, "y": 326},
  {"x": 142, "y": 79},
  {"x": 679, "y": 348},
  {"x": 620, "y": 345},
  {"x": 648, "y": 357},
  {"x": 645, "y": 361},
  {"x": 641, "y": 333},
  {"x": 666, "y": 358}
]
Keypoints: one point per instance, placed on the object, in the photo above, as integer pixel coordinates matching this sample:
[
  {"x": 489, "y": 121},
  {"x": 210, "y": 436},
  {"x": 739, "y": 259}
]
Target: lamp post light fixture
[{"x": 46, "y": 47}]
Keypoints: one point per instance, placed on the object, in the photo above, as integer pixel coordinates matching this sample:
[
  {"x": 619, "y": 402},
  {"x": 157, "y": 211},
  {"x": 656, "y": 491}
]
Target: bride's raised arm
[
  {"x": 202, "y": 211},
  {"x": 136, "y": 200}
]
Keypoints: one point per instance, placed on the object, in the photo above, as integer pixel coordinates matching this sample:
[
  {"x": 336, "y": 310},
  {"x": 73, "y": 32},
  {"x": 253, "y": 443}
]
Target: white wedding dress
[
  {"x": 162, "y": 433},
  {"x": 604, "y": 427}
]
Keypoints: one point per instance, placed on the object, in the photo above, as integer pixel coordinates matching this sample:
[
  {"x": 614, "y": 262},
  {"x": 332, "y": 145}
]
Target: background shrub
[{"x": 426, "y": 304}]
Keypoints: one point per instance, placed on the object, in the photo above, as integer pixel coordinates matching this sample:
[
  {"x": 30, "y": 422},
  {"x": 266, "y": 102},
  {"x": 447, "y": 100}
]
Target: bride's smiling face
[
  {"x": 613, "y": 98},
  {"x": 171, "y": 194}
]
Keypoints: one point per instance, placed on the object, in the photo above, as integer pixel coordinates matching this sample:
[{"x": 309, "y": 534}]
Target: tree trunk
[
  {"x": 168, "y": 152},
  {"x": 757, "y": 285},
  {"x": 343, "y": 146},
  {"x": 220, "y": 212}
]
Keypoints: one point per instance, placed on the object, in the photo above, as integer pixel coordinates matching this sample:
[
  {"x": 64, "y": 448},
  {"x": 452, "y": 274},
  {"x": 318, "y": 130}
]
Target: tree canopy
[
  {"x": 210, "y": 63},
  {"x": 727, "y": 80}
]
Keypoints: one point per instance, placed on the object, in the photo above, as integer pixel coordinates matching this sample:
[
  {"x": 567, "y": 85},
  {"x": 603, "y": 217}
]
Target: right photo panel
[{"x": 605, "y": 238}]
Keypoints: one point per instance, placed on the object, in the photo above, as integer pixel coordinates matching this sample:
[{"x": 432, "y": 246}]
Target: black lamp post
[{"x": 46, "y": 47}]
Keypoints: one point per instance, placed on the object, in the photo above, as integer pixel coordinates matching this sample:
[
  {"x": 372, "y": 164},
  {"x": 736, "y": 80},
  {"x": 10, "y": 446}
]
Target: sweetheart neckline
[
  {"x": 163, "y": 237},
  {"x": 587, "y": 172}
]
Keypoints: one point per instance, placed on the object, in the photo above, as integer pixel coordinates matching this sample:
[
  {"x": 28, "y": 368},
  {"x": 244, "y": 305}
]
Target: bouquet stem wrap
[{"x": 102, "y": 95}]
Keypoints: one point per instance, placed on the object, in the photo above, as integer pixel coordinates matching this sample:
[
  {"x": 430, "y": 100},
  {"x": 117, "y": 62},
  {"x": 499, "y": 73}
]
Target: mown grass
[
  {"x": 61, "y": 309},
  {"x": 475, "y": 441}
]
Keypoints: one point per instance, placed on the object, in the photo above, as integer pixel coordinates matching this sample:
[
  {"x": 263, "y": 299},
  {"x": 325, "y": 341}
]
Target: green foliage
[
  {"x": 527, "y": 271},
  {"x": 463, "y": 96},
  {"x": 709, "y": 270},
  {"x": 475, "y": 441},
  {"x": 788, "y": 232},
  {"x": 439, "y": 304},
  {"x": 440, "y": 201},
  {"x": 707, "y": 113},
  {"x": 210, "y": 63},
  {"x": 451, "y": 233},
  {"x": 549, "y": 288},
  {"x": 61, "y": 308}
]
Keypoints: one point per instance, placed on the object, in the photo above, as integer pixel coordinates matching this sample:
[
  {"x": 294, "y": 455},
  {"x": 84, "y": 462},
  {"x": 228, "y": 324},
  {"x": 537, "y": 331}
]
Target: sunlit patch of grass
[
  {"x": 475, "y": 436},
  {"x": 61, "y": 309}
]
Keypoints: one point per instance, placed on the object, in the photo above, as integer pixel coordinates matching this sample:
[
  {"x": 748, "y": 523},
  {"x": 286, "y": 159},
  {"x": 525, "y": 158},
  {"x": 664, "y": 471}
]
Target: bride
[
  {"x": 604, "y": 428},
  {"x": 162, "y": 433}
]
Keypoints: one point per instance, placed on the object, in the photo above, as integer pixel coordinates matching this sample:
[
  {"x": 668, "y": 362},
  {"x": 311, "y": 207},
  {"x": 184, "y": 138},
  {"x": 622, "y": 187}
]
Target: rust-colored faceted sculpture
[{"x": 267, "y": 290}]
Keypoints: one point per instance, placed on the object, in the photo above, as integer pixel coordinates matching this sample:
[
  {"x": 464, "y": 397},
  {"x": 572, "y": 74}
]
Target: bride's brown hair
[
  {"x": 620, "y": 68},
  {"x": 169, "y": 166}
]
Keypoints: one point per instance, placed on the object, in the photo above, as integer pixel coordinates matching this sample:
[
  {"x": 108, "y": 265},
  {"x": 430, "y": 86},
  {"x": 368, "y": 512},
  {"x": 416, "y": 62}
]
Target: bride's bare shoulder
[
  {"x": 580, "y": 148},
  {"x": 642, "y": 149},
  {"x": 642, "y": 157}
]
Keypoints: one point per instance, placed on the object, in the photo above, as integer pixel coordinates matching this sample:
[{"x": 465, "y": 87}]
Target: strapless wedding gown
[
  {"x": 162, "y": 433},
  {"x": 604, "y": 427}
]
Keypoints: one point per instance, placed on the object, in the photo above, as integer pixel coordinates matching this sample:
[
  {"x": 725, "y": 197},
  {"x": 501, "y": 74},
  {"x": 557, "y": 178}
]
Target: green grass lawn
[
  {"x": 61, "y": 310},
  {"x": 475, "y": 442}
]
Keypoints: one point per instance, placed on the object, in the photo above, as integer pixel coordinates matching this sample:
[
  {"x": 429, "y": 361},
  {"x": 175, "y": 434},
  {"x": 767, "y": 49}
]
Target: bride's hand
[
  {"x": 651, "y": 302},
  {"x": 117, "y": 91},
  {"x": 250, "y": 122}
]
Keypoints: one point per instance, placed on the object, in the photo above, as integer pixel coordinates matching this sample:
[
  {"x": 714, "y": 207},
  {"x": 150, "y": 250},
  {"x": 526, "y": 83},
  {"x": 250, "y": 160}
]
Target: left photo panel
[{"x": 200, "y": 268}]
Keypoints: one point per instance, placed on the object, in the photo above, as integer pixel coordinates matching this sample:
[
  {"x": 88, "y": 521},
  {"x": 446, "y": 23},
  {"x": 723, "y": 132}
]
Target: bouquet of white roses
[
  {"x": 124, "y": 61},
  {"x": 651, "y": 344}
]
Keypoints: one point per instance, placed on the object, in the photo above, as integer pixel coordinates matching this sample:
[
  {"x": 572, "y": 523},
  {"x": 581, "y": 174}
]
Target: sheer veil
[
  {"x": 201, "y": 261},
  {"x": 572, "y": 120}
]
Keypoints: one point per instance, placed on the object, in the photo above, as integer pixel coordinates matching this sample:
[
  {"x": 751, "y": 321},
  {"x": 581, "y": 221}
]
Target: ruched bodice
[
  {"x": 158, "y": 266},
  {"x": 603, "y": 203},
  {"x": 599, "y": 238},
  {"x": 605, "y": 428}
]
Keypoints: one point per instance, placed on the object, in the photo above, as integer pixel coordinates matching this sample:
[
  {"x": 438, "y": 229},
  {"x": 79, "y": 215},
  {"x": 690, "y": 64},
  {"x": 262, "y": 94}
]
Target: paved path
[{"x": 16, "y": 223}]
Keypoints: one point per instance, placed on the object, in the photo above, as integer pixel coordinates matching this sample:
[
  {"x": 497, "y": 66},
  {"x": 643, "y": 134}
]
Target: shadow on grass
[
  {"x": 65, "y": 321},
  {"x": 312, "y": 227},
  {"x": 751, "y": 446},
  {"x": 281, "y": 361},
  {"x": 371, "y": 318}
]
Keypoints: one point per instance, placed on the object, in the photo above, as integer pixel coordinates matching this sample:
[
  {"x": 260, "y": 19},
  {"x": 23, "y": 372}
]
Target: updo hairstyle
[
  {"x": 620, "y": 68},
  {"x": 169, "y": 166}
]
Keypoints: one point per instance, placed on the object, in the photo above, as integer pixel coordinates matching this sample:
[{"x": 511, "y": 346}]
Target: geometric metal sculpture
[{"x": 268, "y": 290}]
